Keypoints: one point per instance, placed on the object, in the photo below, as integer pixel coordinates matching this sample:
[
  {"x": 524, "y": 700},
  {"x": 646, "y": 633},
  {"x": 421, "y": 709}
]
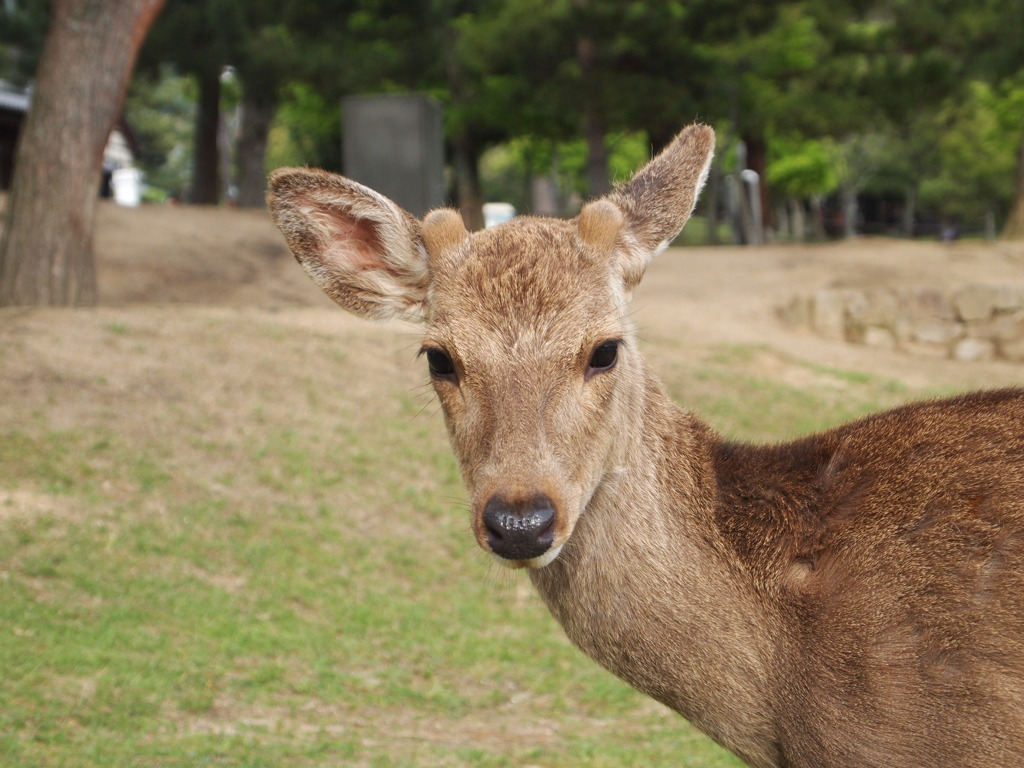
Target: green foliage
[
  {"x": 804, "y": 168},
  {"x": 23, "y": 27},
  {"x": 160, "y": 109},
  {"x": 506, "y": 169},
  {"x": 772, "y": 70},
  {"x": 977, "y": 149},
  {"x": 879, "y": 79},
  {"x": 306, "y": 130}
]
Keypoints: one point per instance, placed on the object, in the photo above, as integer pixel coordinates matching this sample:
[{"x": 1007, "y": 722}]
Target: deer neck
[{"x": 645, "y": 585}]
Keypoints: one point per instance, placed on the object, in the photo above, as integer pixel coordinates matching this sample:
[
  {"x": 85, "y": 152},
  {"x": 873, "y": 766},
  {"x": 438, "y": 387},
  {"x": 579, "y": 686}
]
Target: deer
[{"x": 850, "y": 599}]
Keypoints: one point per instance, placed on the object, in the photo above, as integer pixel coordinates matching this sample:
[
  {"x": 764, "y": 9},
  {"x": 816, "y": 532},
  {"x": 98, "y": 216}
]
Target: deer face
[
  {"x": 527, "y": 343},
  {"x": 527, "y": 338}
]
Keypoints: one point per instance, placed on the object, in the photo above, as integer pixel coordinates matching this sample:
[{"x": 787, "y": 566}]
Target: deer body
[
  {"x": 855, "y": 598},
  {"x": 812, "y": 596}
]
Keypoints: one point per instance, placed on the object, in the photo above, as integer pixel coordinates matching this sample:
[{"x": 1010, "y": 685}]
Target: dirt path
[
  {"x": 692, "y": 297},
  {"x": 731, "y": 296}
]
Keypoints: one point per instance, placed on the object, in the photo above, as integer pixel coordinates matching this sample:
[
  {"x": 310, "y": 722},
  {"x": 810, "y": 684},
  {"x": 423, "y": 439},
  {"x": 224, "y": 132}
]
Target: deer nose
[{"x": 519, "y": 530}]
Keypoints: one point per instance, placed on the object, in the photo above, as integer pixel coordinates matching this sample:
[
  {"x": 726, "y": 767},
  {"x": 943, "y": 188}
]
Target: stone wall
[{"x": 975, "y": 322}]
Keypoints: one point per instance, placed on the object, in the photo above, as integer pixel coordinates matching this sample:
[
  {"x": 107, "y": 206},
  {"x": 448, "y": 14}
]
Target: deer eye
[
  {"x": 603, "y": 357},
  {"x": 440, "y": 364}
]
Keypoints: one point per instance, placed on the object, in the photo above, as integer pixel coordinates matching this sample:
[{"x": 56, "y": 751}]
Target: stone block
[
  {"x": 1002, "y": 327},
  {"x": 1012, "y": 350},
  {"x": 828, "y": 313},
  {"x": 938, "y": 332},
  {"x": 976, "y": 322},
  {"x": 797, "y": 312},
  {"x": 879, "y": 308},
  {"x": 968, "y": 350},
  {"x": 903, "y": 331},
  {"x": 1009, "y": 297},
  {"x": 929, "y": 303},
  {"x": 879, "y": 338},
  {"x": 976, "y": 301}
]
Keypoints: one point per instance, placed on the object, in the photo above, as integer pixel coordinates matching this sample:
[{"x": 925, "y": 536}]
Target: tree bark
[
  {"x": 851, "y": 210},
  {"x": 1014, "y": 229},
  {"x": 818, "y": 220},
  {"x": 798, "y": 220},
  {"x": 757, "y": 160},
  {"x": 465, "y": 147},
  {"x": 46, "y": 256},
  {"x": 711, "y": 203},
  {"x": 594, "y": 129},
  {"x": 466, "y": 161},
  {"x": 257, "y": 115},
  {"x": 206, "y": 154},
  {"x": 544, "y": 195},
  {"x": 594, "y": 124},
  {"x": 909, "y": 211}
]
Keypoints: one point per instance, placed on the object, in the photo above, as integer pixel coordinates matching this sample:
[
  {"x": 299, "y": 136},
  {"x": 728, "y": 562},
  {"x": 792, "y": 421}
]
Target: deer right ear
[
  {"x": 362, "y": 249},
  {"x": 659, "y": 199}
]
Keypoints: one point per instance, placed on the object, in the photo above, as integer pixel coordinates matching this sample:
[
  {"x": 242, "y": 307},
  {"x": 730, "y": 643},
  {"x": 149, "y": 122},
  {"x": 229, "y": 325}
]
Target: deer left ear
[
  {"x": 362, "y": 249},
  {"x": 657, "y": 202}
]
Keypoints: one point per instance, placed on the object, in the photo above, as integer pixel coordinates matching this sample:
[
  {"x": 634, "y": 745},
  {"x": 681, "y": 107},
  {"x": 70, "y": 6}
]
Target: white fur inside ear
[{"x": 703, "y": 179}]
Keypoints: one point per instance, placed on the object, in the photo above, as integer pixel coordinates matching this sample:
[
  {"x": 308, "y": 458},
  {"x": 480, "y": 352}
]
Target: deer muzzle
[{"x": 521, "y": 530}]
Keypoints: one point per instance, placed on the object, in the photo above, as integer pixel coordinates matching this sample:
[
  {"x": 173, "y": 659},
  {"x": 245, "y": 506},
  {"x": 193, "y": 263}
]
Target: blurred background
[{"x": 896, "y": 117}]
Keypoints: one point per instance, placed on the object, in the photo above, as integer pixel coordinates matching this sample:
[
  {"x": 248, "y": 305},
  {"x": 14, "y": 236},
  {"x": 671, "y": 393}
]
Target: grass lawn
[{"x": 247, "y": 545}]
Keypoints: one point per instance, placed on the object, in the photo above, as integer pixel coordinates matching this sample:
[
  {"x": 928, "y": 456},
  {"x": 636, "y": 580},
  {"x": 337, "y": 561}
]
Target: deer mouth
[{"x": 534, "y": 563}]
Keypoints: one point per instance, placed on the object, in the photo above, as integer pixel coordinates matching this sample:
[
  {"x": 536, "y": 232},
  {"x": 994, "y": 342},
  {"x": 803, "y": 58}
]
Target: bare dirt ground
[
  {"x": 731, "y": 295},
  {"x": 166, "y": 262}
]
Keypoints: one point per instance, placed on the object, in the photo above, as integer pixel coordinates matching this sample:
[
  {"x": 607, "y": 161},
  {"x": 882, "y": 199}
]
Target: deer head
[{"x": 527, "y": 333}]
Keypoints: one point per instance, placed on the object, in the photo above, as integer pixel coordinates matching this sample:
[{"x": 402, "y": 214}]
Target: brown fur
[{"x": 851, "y": 599}]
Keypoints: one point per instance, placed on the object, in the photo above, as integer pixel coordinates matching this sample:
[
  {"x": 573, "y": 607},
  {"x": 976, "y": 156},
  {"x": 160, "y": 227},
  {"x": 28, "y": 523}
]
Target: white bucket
[{"x": 127, "y": 184}]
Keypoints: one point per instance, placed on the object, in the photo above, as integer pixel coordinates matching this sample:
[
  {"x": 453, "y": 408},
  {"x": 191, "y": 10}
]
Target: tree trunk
[
  {"x": 594, "y": 126},
  {"x": 465, "y": 149},
  {"x": 594, "y": 129},
  {"x": 257, "y": 115},
  {"x": 46, "y": 255},
  {"x": 782, "y": 223},
  {"x": 711, "y": 201},
  {"x": 206, "y": 155},
  {"x": 1014, "y": 229},
  {"x": 598, "y": 175},
  {"x": 818, "y": 212},
  {"x": 851, "y": 210},
  {"x": 544, "y": 195},
  {"x": 798, "y": 220},
  {"x": 757, "y": 154},
  {"x": 466, "y": 160},
  {"x": 909, "y": 211}
]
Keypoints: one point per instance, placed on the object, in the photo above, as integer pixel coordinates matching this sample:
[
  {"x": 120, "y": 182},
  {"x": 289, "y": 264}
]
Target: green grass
[
  {"x": 730, "y": 388},
  {"x": 307, "y": 594}
]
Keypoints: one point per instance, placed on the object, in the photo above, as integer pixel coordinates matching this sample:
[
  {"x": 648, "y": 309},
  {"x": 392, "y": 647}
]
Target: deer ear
[
  {"x": 659, "y": 199},
  {"x": 363, "y": 250}
]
